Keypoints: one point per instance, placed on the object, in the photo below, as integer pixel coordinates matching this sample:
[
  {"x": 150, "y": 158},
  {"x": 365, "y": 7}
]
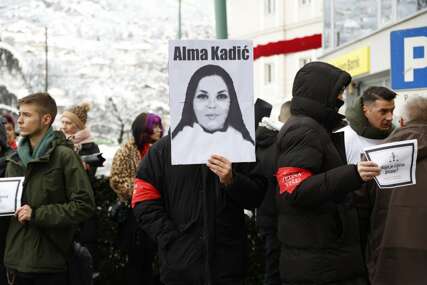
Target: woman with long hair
[{"x": 211, "y": 116}]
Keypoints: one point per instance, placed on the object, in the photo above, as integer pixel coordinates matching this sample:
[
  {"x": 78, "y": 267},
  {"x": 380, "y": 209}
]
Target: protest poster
[
  {"x": 10, "y": 195},
  {"x": 398, "y": 162},
  {"x": 211, "y": 100}
]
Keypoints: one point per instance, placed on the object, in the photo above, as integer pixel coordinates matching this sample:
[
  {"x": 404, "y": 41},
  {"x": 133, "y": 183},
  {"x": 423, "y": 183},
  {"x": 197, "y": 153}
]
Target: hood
[
  {"x": 413, "y": 130},
  {"x": 265, "y": 137},
  {"x": 360, "y": 124},
  {"x": 315, "y": 90}
]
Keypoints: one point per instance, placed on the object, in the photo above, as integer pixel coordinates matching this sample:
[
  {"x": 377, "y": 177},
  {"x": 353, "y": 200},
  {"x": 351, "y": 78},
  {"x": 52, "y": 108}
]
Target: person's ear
[
  {"x": 365, "y": 109},
  {"x": 47, "y": 119}
]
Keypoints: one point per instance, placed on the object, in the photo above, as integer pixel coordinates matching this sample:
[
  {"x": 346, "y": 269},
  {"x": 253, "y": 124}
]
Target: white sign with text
[
  {"x": 10, "y": 195},
  {"x": 397, "y": 160}
]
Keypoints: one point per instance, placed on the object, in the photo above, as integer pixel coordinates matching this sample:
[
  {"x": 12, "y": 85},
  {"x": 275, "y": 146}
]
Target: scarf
[
  {"x": 79, "y": 138},
  {"x": 24, "y": 149},
  {"x": 360, "y": 124}
]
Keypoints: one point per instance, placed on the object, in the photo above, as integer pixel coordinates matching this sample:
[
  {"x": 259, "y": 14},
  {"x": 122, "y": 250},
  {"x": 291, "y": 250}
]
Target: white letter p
[{"x": 412, "y": 63}]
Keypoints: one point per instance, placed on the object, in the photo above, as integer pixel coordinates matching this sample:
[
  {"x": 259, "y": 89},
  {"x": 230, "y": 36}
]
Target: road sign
[{"x": 409, "y": 58}]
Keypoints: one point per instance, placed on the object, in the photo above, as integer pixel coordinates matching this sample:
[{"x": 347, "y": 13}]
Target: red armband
[
  {"x": 143, "y": 191},
  {"x": 288, "y": 178}
]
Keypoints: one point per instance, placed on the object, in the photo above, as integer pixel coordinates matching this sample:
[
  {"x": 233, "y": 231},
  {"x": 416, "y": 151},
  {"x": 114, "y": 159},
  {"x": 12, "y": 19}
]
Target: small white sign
[
  {"x": 10, "y": 195},
  {"x": 398, "y": 162},
  {"x": 211, "y": 98}
]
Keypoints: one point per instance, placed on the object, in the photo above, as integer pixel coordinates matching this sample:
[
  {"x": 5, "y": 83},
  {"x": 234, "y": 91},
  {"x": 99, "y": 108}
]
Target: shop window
[
  {"x": 304, "y": 3},
  {"x": 304, "y": 60},
  {"x": 269, "y": 7},
  {"x": 268, "y": 73}
]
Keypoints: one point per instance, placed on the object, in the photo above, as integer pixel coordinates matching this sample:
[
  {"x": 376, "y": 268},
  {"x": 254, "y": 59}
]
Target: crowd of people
[{"x": 321, "y": 217}]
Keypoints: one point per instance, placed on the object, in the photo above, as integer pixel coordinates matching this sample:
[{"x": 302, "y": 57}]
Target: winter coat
[
  {"x": 60, "y": 195},
  {"x": 318, "y": 228},
  {"x": 266, "y": 151},
  {"x": 198, "y": 223},
  {"x": 397, "y": 247},
  {"x": 123, "y": 170}
]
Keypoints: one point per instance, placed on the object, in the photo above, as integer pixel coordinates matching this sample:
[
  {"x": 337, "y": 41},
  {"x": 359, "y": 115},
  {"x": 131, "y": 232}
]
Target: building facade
[
  {"x": 394, "y": 56},
  {"x": 270, "y": 21}
]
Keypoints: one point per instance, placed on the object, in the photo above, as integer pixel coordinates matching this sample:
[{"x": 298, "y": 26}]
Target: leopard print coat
[{"x": 123, "y": 170}]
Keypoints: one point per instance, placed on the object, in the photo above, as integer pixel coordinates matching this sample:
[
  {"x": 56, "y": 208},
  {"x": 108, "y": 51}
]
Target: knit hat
[{"x": 78, "y": 114}]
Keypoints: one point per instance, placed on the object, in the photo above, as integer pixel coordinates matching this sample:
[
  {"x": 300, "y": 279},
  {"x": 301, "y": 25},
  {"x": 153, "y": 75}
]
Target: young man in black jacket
[
  {"x": 195, "y": 214},
  {"x": 318, "y": 228}
]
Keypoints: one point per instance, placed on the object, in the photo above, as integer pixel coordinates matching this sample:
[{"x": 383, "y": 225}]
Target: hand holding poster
[
  {"x": 211, "y": 97},
  {"x": 10, "y": 195},
  {"x": 397, "y": 161}
]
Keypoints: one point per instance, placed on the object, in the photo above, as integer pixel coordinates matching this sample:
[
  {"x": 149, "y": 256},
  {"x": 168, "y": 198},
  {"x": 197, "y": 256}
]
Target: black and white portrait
[{"x": 213, "y": 117}]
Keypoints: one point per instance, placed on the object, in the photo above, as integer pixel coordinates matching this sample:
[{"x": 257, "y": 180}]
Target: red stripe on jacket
[
  {"x": 289, "y": 178},
  {"x": 143, "y": 191}
]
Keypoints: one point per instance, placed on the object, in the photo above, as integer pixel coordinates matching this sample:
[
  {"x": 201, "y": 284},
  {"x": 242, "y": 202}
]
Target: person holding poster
[
  {"x": 317, "y": 227},
  {"x": 56, "y": 197},
  {"x": 370, "y": 122},
  {"x": 397, "y": 244},
  {"x": 195, "y": 214}
]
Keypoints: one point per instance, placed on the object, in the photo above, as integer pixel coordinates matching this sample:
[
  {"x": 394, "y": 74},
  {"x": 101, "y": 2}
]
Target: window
[
  {"x": 268, "y": 73},
  {"x": 269, "y": 6},
  {"x": 304, "y": 2},
  {"x": 304, "y": 60}
]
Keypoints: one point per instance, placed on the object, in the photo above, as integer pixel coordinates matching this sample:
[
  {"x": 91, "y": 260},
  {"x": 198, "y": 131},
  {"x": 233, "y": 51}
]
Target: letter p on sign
[
  {"x": 409, "y": 58},
  {"x": 415, "y": 55}
]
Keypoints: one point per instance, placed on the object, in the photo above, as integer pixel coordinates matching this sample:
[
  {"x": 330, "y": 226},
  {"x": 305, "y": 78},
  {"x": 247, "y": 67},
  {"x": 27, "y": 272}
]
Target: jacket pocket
[
  {"x": 53, "y": 185},
  {"x": 184, "y": 251}
]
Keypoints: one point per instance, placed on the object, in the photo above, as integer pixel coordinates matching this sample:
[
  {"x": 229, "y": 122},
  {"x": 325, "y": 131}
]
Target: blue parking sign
[{"x": 409, "y": 58}]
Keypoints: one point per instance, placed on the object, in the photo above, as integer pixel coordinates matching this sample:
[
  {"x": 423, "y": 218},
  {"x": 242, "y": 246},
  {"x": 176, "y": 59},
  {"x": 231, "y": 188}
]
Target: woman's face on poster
[{"x": 211, "y": 103}]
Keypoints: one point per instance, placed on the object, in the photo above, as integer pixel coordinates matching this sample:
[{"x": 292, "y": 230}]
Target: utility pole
[
  {"x": 46, "y": 83},
  {"x": 221, "y": 19},
  {"x": 179, "y": 20}
]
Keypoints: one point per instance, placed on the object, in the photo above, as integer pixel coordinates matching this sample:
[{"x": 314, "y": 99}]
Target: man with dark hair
[
  {"x": 370, "y": 121},
  {"x": 266, "y": 135},
  {"x": 57, "y": 196}
]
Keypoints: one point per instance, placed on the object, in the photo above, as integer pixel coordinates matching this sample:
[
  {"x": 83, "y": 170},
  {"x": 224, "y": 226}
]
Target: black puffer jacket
[
  {"x": 198, "y": 224},
  {"x": 317, "y": 227},
  {"x": 266, "y": 152}
]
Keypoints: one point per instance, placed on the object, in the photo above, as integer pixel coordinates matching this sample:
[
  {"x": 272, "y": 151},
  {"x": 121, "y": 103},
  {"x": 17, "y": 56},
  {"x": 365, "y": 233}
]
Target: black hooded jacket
[
  {"x": 197, "y": 223},
  {"x": 317, "y": 227},
  {"x": 266, "y": 152}
]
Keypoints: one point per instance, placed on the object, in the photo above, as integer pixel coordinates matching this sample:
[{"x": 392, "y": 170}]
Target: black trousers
[
  {"x": 19, "y": 278},
  {"x": 272, "y": 256}
]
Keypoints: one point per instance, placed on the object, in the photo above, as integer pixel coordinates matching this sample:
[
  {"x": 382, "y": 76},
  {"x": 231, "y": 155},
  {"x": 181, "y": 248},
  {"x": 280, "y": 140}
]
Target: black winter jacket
[
  {"x": 198, "y": 224},
  {"x": 266, "y": 151},
  {"x": 318, "y": 228}
]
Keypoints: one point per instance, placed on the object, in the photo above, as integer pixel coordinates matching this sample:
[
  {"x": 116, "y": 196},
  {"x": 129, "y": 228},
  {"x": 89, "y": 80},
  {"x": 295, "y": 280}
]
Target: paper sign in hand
[
  {"x": 397, "y": 160},
  {"x": 10, "y": 195}
]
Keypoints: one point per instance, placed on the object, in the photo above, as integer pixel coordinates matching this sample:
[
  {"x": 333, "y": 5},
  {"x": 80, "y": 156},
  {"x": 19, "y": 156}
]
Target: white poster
[
  {"x": 398, "y": 162},
  {"x": 211, "y": 100},
  {"x": 10, "y": 195}
]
